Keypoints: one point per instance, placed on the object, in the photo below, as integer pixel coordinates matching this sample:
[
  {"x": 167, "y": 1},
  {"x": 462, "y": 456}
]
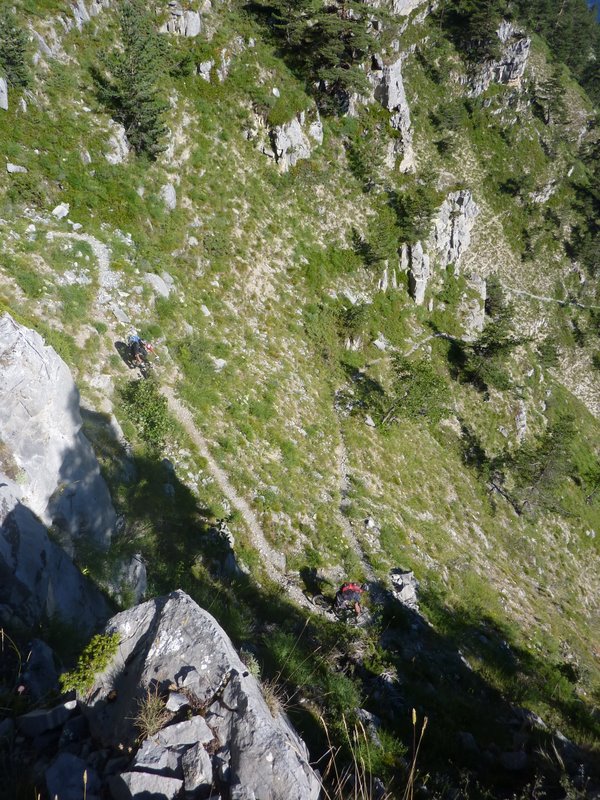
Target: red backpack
[{"x": 352, "y": 587}]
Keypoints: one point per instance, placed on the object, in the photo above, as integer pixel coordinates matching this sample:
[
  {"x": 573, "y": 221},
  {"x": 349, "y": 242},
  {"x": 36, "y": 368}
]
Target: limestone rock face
[
  {"x": 37, "y": 578},
  {"x": 416, "y": 261},
  {"x": 3, "y": 94},
  {"x": 182, "y": 23},
  {"x": 388, "y": 89},
  {"x": 171, "y": 640},
  {"x": 57, "y": 473},
  {"x": 400, "y": 7},
  {"x": 510, "y": 67},
  {"x": 80, "y": 13},
  {"x": 449, "y": 239},
  {"x": 295, "y": 140},
  {"x": 118, "y": 146},
  {"x": 404, "y": 7},
  {"x": 48, "y": 472},
  {"x": 452, "y": 226}
]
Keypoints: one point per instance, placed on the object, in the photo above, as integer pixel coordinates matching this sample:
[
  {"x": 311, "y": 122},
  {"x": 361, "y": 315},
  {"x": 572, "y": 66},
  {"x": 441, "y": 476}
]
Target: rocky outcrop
[
  {"x": 452, "y": 226},
  {"x": 510, "y": 67},
  {"x": 48, "y": 470},
  {"x": 294, "y": 140},
  {"x": 471, "y": 307},
  {"x": 3, "y": 94},
  {"x": 38, "y": 580},
  {"x": 162, "y": 284},
  {"x": 205, "y": 68},
  {"x": 118, "y": 146},
  {"x": 168, "y": 195},
  {"x": 388, "y": 89},
  {"x": 220, "y": 730},
  {"x": 450, "y": 237},
  {"x": 40, "y": 427},
  {"x": 399, "y": 7},
  {"x": 415, "y": 261},
  {"x": 227, "y": 54},
  {"x": 181, "y": 22},
  {"x": 405, "y": 587},
  {"x": 49, "y": 45}
]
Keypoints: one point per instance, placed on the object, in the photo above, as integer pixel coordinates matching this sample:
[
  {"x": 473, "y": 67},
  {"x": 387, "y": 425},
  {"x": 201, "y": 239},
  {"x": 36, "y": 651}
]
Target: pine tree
[
  {"x": 538, "y": 469},
  {"x": 131, "y": 88},
  {"x": 326, "y": 41},
  {"x": 419, "y": 392},
  {"x": 472, "y": 24},
  {"x": 13, "y": 50}
]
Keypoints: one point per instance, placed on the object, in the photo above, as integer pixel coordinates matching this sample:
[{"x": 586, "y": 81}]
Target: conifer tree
[
  {"x": 131, "y": 88},
  {"x": 326, "y": 41},
  {"x": 13, "y": 49},
  {"x": 539, "y": 468}
]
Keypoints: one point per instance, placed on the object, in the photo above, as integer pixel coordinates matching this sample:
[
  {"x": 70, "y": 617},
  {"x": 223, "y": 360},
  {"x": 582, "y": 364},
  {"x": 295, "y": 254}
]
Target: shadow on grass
[
  {"x": 324, "y": 667},
  {"x": 476, "y": 726}
]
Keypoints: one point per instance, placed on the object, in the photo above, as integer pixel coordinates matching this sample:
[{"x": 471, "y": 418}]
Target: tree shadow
[{"x": 367, "y": 393}]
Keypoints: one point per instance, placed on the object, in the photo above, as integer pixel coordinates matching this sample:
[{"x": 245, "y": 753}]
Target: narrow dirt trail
[
  {"x": 544, "y": 299},
  {"x": 341, "y": 455},
  {"x": 272, "y": 560}
]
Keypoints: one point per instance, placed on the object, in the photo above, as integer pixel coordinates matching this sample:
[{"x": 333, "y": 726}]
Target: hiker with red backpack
[{"x": 348, "y": 597}]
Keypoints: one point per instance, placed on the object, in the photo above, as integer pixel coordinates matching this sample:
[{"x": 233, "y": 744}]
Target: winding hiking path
[
  {"x": 272, "y": 560},
  {"x": 341, "y": 455},
  {"x": 544, "y": 299}
]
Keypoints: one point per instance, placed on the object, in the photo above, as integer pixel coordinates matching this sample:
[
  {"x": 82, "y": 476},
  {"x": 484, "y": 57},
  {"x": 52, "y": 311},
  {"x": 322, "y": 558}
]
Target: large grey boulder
[
  {"x": 39, "y": 674},
  {"x": 61, "y": 210},
  {"x": 158, "y": 283},
  {"x": 41, "y": 720},
  {"x": 3, "y": 94},
  {"x": 172, "y": 641},
  {"x": 294, "y": 140},
  {"x": 144, "y": 786},
  {"x": 65, "y": 779},
  {"x": 181, "y": 22},
  {"x": 55, "y": 472},
  {"x": 405, "y": 587},
  {"x": 197, "y": 769}
]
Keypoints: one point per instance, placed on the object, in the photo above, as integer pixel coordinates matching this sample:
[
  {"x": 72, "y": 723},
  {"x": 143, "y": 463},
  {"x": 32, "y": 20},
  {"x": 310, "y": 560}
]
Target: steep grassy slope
[{"x": 272, "y": 282}]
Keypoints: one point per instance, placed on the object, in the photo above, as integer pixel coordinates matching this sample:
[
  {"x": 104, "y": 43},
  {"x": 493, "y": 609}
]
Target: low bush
[
  {"x": 147, "y": 409},
  {"x": 94, "y": 659}
]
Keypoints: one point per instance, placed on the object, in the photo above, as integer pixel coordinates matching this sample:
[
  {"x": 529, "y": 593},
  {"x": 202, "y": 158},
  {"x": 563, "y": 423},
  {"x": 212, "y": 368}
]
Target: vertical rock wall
[{"x": 40, "y": 426}]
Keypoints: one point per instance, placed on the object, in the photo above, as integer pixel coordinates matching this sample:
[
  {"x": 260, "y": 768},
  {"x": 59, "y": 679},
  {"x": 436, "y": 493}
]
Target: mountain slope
[{"x": 273, "y": 252}]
